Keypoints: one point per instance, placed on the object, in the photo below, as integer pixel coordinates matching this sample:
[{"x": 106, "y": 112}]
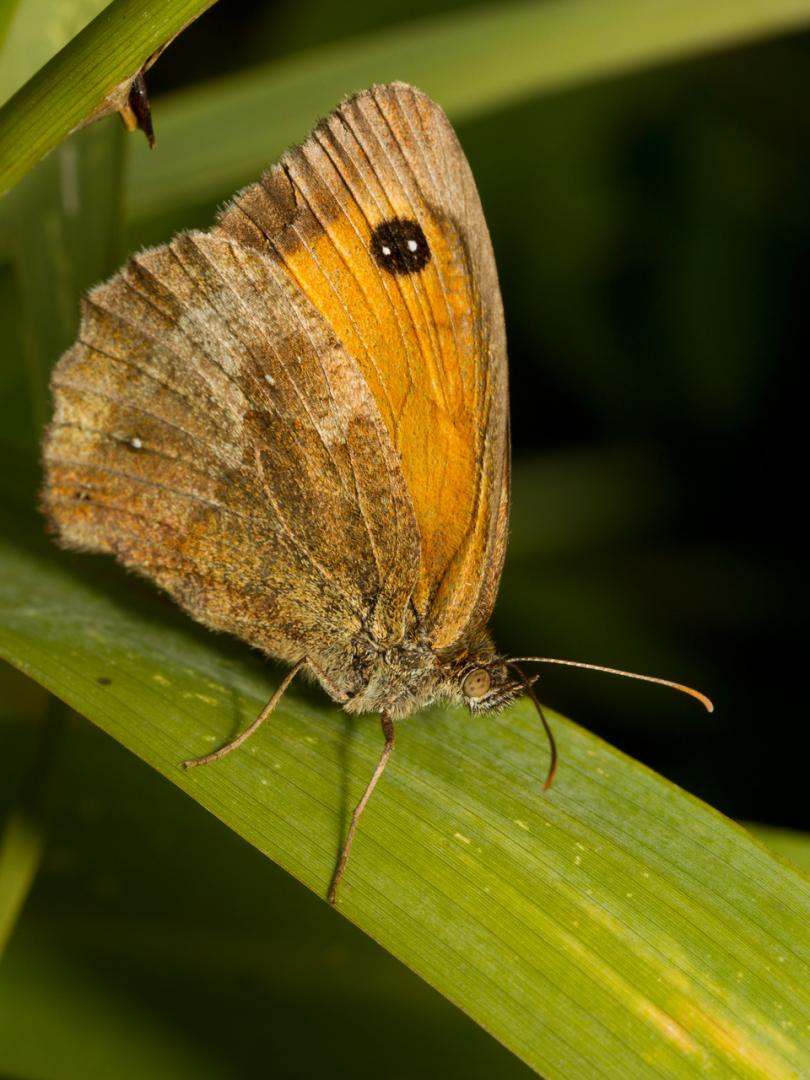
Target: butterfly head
[
  {"x": 481, "y": 679},
  {"x": 486, "y": 682},
  {"x": 489, "y": 686}
]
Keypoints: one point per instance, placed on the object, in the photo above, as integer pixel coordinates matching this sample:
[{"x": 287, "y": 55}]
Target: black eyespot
[{"x": 400, "y": 246}]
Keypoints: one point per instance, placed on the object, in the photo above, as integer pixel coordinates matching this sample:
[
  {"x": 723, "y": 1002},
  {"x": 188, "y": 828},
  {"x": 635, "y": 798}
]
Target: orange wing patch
[{"x": 383, "y": 181}]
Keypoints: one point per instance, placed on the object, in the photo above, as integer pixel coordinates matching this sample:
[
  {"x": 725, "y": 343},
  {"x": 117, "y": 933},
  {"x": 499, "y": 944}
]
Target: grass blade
[
  {"x": 789, "y": 843},
  {"x": 122, "y": 895},
  {"x": 614, "y": 925},
  {"x": 32, "y": 31}
]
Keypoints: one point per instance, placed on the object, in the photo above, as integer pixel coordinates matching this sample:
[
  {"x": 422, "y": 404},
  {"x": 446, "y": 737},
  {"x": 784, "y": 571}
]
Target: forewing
[
  {"x": 212, "y": 432},
  {"x": 430, "y": 343}
]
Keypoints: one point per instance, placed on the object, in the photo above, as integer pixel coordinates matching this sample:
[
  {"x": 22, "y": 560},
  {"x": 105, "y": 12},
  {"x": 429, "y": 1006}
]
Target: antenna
[
  {"x": 705, "y": 701},
  {"x": 552, "y": 744}
]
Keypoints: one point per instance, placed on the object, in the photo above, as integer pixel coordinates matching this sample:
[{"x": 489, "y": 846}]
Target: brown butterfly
[{"x": 297, "y": 422}]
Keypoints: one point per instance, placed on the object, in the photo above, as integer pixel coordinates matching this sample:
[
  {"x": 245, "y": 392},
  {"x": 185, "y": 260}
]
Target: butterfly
[{"x": 297, "y": 423}]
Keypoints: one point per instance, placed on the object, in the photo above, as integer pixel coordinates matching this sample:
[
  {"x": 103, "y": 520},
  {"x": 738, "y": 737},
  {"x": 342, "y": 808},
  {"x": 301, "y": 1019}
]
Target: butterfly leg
[
  {"x": 243, "y": 736},
  {"x": 388, "y": 733}
]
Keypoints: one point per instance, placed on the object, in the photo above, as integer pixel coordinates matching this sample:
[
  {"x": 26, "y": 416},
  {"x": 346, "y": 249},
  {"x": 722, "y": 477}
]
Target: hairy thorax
[{"x": 402, "y": 679}]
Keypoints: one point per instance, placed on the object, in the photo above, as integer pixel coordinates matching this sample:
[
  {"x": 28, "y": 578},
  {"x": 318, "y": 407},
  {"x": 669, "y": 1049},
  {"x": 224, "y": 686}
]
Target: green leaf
[
  {"x": 32, "y": 31},
  {"x": 139, "y": 879},
  {"x": 613, "y": 925},
  {"x": 89, "y": 71},
  {"x": 789, "y": 843},
  {"x": 216, "y": 137}
]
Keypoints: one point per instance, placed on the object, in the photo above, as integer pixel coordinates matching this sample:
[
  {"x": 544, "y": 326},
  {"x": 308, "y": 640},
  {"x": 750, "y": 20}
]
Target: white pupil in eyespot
[
  {"x": 412, "y": 245},
  {"x": 386, "y": 250},
  {"x": 477, "y": 683}
]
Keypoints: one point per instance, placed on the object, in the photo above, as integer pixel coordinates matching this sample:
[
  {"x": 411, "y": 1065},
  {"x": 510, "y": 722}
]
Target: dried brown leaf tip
[{"x": 136, "y": 112}]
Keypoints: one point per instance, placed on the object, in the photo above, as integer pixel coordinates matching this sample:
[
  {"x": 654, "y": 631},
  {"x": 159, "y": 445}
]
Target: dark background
[{"x": 651, "y": 236}]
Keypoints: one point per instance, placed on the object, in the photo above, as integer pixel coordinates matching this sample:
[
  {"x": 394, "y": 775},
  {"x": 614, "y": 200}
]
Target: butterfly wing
[
  {"x": 212, "y": 432},
  {"x": 376, "y": 219}
]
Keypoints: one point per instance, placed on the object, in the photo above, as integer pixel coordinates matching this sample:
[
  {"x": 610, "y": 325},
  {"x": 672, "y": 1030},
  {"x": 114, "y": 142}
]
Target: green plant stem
[{"x": 73, "y": 85}]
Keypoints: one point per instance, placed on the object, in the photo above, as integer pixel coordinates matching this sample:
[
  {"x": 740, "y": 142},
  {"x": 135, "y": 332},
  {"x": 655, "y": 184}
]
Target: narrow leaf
[
  {"x": 32, "y": 31},
  {"x": 138, "y": 879},
  {"x": 611, "y": 926},
  {"x": 789, "y": 843}
]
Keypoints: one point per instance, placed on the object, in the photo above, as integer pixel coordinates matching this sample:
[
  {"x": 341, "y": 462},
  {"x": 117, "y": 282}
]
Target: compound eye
[{"x": 477, "y": 683}]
